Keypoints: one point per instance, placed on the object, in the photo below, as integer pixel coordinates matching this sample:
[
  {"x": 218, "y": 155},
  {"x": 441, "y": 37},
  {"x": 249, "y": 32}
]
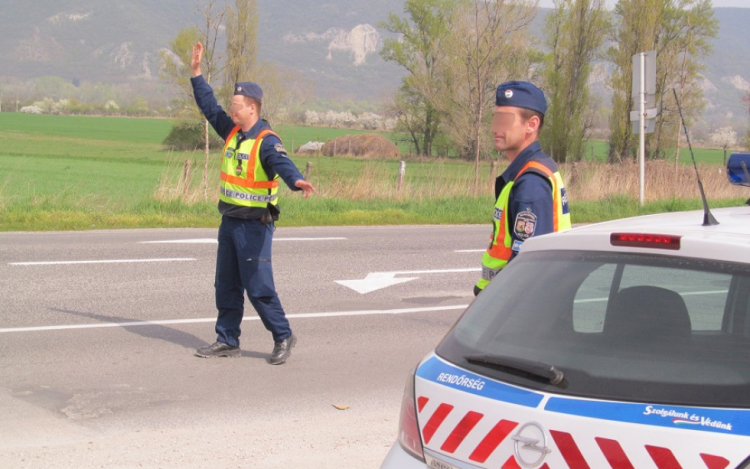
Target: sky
[{"x": 717, "y": 3}]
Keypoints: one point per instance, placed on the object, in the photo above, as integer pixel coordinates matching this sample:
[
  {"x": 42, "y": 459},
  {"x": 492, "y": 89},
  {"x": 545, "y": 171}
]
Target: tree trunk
[
  {"x": 677, "y": 153},
  {"x": 477, "y": 146},
  {"x": 427, "y": 136}
]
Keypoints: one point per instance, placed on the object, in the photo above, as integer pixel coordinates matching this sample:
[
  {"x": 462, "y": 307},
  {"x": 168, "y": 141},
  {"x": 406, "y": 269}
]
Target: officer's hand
[
  {"x": 306, "y": 187},
  {"x": 195, "y": 60}
]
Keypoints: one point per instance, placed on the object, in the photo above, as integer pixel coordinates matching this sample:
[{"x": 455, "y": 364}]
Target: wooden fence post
[
  {"x": 308, "y": 170},
  {"x": 186, "y": 177}
]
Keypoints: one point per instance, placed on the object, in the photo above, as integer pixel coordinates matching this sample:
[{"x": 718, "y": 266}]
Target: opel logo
[{"x": 530, "y": 445}]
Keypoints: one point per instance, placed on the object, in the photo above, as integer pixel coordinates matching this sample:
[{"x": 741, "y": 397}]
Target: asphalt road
[{"x": 98, "y": 329}]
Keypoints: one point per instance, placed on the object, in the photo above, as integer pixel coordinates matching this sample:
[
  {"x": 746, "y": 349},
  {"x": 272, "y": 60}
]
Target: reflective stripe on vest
[
  {"x": 251, "y": 188},
  {"x": 500, "y": 251},
  {"x": 245, "y": 196}
]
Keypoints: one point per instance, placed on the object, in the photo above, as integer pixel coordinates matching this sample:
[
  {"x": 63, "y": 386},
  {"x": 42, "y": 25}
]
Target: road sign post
[{"x": 644, "y": 119}]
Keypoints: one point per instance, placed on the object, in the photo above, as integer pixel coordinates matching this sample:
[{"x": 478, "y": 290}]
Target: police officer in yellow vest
[
  {"x": 253, "y": 161},
  {"x": 530, "y": 194}
]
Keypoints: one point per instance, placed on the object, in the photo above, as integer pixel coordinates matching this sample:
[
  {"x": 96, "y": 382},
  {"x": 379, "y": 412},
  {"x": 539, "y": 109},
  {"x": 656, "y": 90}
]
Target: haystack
[{"x": 367, "y": 145}]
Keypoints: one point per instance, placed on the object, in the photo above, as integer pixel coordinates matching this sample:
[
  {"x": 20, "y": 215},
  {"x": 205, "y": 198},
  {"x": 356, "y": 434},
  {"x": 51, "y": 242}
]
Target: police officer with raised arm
[
  {"x": 530, "y": 195},
  {"x": 253, "y": 161}
]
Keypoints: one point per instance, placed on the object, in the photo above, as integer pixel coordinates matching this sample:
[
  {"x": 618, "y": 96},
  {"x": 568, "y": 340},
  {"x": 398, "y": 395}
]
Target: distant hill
[
  {"x": 115, "y": 42},
  {"x": 335, "y": 43}
]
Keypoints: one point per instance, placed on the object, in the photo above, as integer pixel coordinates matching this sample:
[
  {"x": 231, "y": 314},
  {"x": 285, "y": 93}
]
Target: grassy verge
[
  {"x": 78, "y": 173},
  {"x": 320, "y": 212}
]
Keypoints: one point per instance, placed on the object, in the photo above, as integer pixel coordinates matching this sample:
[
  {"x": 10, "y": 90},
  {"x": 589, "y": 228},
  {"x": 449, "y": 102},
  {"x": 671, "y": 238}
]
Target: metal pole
[{"x": 642, "y": 123}]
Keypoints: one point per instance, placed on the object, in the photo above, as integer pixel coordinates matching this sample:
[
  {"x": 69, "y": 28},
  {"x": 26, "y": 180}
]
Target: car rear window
[{"x": 619, "y": 326}]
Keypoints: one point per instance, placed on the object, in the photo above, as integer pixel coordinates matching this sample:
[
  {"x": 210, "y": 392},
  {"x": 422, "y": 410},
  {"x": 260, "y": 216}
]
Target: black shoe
[
  {"x": 282, "y": 350},
  {"x": 218, "y": 349}
]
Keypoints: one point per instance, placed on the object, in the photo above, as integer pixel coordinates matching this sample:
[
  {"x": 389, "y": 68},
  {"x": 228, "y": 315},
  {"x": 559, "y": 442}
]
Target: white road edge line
[
  {"x": 214, "y": 241},
  {"x": 112, "y": 261},
  {"x": 251, "y": 318}
]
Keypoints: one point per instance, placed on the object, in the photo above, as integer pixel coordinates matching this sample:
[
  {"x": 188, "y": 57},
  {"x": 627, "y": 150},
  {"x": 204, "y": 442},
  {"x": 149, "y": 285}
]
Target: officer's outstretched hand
[
  {"x": 306, "y": 187},
  {"x": 195, "y": 60}
]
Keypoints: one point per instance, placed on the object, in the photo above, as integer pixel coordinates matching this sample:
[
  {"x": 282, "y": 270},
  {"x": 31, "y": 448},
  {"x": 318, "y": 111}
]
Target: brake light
[
  {"x": 408, "y": 429},
  {"x": 644, "y": 240}
]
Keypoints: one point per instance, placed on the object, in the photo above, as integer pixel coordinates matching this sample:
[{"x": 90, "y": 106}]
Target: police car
[{"x": 622, "y": 345}]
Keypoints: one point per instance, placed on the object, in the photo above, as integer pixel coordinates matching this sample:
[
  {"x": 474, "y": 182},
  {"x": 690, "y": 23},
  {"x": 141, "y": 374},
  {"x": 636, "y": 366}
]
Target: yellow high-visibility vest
[
  {"x": 244, "y": 182},
  {"x": 500, "y": 251}
]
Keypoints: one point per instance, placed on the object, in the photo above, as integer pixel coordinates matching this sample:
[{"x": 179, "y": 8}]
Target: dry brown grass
[
  {"x": 182, "y": 181},
  {"x": 584, "y": 182},
  {"x": 378, "y": 179},
  {"x": 664, "y": 180}
]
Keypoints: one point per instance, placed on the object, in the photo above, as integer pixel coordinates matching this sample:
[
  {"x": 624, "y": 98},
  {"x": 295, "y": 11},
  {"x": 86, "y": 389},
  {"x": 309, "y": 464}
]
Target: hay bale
[{"x": 365, "y": 145}]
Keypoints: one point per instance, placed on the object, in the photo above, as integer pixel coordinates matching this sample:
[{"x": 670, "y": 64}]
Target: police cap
[
  {"x": 249, "y": 89},
  {"x": 521, "y": 94}
]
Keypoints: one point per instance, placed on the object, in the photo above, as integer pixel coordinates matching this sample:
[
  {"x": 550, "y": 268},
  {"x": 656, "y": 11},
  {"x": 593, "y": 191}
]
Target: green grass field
[
  {"x": 702, "y": 155},
  {"x": 71, "y": 172}
]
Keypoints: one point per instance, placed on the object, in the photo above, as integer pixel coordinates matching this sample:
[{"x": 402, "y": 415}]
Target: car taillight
[
  {"x": 644, "y": 240},
  {"x": 408, "y": 429}
]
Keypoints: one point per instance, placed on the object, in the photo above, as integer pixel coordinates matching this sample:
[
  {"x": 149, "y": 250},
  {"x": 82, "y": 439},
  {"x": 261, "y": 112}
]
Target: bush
[
  {"x": 188, "y": 136},
  {"x": 31, "y": 110}
]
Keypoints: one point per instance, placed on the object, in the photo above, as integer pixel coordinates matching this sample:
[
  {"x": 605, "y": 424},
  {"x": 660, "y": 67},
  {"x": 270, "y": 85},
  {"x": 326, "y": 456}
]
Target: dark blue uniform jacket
[
  {"x": 273, "y": 161},
  {"x": 531, "y": 193}
]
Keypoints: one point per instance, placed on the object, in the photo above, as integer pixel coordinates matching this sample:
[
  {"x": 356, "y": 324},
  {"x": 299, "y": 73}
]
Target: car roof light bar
[{"x": 645, "y": 240}]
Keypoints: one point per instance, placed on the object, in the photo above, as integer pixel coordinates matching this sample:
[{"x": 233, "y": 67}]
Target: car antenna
[{"x": 708, "y": 219}]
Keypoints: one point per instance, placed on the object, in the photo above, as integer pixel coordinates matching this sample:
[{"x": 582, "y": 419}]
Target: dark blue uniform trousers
[{"x": 243, "y": 263}]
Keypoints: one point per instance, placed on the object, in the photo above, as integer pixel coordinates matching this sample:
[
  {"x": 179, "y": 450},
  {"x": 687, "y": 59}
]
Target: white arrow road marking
[
  {"x": 214, "y": 241},
  {"x": 113, "y": 261},
  {"x": 377, "y": 280}
]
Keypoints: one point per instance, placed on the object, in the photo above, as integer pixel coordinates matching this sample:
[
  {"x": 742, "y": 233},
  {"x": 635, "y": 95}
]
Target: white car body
[{"x": 469, "y": 419}]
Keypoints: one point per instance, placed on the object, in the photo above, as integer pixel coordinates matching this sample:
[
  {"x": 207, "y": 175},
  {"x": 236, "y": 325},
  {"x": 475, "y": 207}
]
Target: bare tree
[
  {"x": 487, "y": 45},
  {"x": 175, "y": 70},
  {"x": 211, "y": 24},
  {"x": 724, "y": 138},
  {"x": 242, "y": 45},
  {"x": 283, "y": 90}
]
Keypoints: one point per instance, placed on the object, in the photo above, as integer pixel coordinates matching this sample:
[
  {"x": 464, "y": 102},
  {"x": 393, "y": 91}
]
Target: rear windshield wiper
[{"x": 538, "y": 369}]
